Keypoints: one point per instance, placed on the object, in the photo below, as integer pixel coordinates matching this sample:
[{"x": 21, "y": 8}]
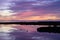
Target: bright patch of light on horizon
[
  {"x": 7, "y": 28},
  {"x": 6, "y": 13}
]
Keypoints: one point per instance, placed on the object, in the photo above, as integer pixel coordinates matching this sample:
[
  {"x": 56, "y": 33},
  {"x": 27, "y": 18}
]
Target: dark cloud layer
[
  {"x": 21, "y": 4},
  {"x": 50, "y": 6}
]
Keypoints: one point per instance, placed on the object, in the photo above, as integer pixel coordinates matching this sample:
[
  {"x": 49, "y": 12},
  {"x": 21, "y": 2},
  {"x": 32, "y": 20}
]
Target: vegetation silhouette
[
  {"x": 49, "y": 29},
  {"x": 34, "y": 23}
]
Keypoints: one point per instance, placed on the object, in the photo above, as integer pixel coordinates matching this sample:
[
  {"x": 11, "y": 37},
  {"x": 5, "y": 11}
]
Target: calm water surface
[{"x": 25, "y": 32}]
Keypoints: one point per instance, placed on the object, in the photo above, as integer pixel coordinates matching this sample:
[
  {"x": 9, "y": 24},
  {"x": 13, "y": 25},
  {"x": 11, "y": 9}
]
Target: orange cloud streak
[
  {"x": 29, "y": 15},
  {"x": 30, "y": 18}
]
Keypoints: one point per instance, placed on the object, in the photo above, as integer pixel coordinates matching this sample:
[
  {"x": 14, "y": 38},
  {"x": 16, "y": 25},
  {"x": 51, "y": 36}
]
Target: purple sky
[{"x": 31, "y": 9}]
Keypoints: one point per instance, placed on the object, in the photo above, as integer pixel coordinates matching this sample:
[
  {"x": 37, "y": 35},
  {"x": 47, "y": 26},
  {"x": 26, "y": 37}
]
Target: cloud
[
  {"x": 28, "y": 4},
  {"x": 34, "y": 18},
  {"x": 27, "y": 14},
  {"x": 41, "y": 18},
  {"x": 33, "y": 8},
  {"x": 48, "y": 5}
]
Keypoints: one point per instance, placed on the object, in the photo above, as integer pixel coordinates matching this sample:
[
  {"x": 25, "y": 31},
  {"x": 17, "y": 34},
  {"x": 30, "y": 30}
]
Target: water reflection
[
  {"x": 5, "y": 31},
  {"x": 24, "y": 32}
]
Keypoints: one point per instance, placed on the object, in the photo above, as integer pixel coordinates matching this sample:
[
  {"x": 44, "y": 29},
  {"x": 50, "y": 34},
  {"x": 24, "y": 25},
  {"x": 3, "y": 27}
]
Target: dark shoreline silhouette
[
  {"x": 49, "y": 29},
  {"x": 34, "y": 23}
]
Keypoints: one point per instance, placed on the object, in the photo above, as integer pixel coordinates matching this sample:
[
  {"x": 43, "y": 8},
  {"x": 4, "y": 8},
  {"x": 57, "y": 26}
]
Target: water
[
  {"x": 25, "y": 32},
  {"x": 6, "y": 36}
]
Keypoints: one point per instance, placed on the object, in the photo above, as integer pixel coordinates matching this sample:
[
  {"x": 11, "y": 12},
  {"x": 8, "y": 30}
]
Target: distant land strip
[{"x": 34, "y": 23}]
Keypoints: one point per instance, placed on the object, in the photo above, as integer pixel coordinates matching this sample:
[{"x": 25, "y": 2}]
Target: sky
[{"x": 29, "y": 10}]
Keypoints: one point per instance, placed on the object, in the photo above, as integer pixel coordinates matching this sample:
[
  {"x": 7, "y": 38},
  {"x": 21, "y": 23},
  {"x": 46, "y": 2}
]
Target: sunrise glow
[
  {"x": 25, "y": 10},
  {"x": 6, "y": 13}
]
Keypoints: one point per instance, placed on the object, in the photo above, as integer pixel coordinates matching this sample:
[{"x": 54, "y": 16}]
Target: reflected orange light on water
[{"x": 7, "y": 27}]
